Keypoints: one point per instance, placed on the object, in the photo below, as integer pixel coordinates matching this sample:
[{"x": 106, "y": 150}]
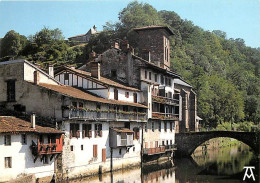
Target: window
[
  {"x": 120, "y": 151},
  {"x": 66, "y": 76},
  {"x": 160, "y": 126},
  {"x": 11, "y": 90},
  {"x": 74, "y": 130},
  {"x": 82, "y": 147},
  {"x": 153, "y": 126},
  {"x": 71, "y": 148},
  {"x": 145, "y": 74},
  {"x": 127, "y": 94},
  {"x": 155, "y": 77},
  {"x": 52, "y": 139},
  {"x": 115, "y": 94},
  {"x": 162, "y": 80},
  {"x": 45, "y": 159},
  {"x": 24, "y": 139},
  {"x": 145, "y": 127},
  {"x": 98, "y": 130},
  {"x": 146, "y": 55},
  {"x": 95, "y": 153},
  {"x": 135, "y": 97},
  {"x": 170, "y": 142},
  {"x": 8, "y": 162},
  {"x": 171, "y": 126},
  {"x": 150, "y": 76},
  {"x": 165, "y": 126},
  {"x": 74, "y": 104},
  {"x": 170, "y": 82},
  {"x": 113, "y": 73},
  {"x": 136, "y": 133},
  {"x": 86, "y": 130},
  {"x": 81, "y": 105},
  {"x": 170, "y": 94},
  {"x": 7, "y": 140}
]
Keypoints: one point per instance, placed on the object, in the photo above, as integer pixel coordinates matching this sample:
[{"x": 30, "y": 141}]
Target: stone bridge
[{"x": 188, "y": 142}]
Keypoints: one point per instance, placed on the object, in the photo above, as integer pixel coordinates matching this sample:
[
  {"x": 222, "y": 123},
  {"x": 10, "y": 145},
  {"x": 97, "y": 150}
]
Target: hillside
[{"x": 224, "y": 72}]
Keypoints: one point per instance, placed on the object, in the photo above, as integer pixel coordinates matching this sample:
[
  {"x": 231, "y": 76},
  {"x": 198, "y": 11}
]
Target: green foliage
[{"x": 12, "y": 44}]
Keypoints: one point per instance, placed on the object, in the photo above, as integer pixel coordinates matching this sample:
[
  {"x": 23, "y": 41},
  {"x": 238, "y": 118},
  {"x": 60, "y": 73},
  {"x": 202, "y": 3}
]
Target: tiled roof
[
  {"x": 103, "y": 80},
  {"x": 10, "y": 124},
  {"x": 76, "y": 93},
  {"x": 152, "y": 27},
  {"x": 78, "y": 35}
]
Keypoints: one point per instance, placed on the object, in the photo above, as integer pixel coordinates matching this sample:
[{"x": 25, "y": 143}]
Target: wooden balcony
[
  {"x": 165, "y": 100},
  {"x": 107, "y": 115},
  {"x": 50, "y": 148},
  {"x": 165, "y": 116},
  {"x": 155, "y": 150}
]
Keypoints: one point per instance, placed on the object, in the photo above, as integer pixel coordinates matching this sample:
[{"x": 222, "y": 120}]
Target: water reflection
[{"x": 217, "y": 165}]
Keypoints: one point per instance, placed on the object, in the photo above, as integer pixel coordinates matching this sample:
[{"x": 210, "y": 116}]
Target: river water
[{"x": 220, "y": 165}]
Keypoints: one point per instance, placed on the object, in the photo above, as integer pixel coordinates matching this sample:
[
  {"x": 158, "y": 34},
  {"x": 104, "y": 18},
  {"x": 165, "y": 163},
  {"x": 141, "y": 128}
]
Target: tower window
[
  {"x": 113, "y": 73},
  {"x": 11, "y": 90}
]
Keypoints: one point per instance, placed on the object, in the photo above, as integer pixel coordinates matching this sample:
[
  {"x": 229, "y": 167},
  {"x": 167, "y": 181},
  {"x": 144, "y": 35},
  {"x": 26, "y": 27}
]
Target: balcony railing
[
  {"x": 155, "y": 150},
  {"x": 165, "y": 100},
  {"x": 165, "y": 116},
  {"x": 51, "y": 148},
  {"x": 107, "y": 115}
]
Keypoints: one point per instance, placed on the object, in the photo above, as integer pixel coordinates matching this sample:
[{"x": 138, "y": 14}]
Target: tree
[
  {"x": 48, "y": 36},
  {"x": 11, "y": 44}
]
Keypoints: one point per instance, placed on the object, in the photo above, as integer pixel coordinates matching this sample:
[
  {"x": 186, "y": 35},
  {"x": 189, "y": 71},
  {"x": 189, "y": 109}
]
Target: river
[{"x": 218, "y": 165}]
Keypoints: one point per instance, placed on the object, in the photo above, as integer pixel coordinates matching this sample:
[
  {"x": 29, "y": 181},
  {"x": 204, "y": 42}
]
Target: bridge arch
[{"x": 188, "y": 142}]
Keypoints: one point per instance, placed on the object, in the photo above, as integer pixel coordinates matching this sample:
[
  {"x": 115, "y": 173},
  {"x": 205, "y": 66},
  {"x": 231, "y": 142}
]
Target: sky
[{"x": 238, "y": 18}]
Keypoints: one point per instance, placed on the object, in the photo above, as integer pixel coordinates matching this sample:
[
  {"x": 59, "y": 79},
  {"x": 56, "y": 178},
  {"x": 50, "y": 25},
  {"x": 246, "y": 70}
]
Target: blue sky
[{"x": 238, "y": 18}]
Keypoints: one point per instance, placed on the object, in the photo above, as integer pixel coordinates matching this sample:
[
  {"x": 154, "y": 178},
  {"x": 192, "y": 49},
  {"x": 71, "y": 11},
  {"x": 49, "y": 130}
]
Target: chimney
[
  {"x": 125, "y": 45},
  {"x": 92, "y": 55},
  {"x": 36, "y": 77},
  {"x": 115, "y": 45},
  {"x": 33, "y": 120},
  {"x": 95, "y": 70},
  {"x": 51, "y": 70}
]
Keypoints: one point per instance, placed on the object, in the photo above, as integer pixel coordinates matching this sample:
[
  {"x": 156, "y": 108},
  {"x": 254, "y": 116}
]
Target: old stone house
[
  {"x": 84, "y": 38},
  {"x": 170, "y": 110},
  {"x": 100, "y": 132},
  {"x": 27, "y": 148}
]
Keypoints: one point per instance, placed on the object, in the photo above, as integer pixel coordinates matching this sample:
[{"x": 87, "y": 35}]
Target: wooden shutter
[
  {"x": 146, "y": 144},
  {"x": 78, "y": 134},
  {"x": 137, "y": 135},
  {"x": 151, "y": 144},
  {"x": 90, "y": 133},
  {"x": 70, "y": 133},
  {"x": 83, "y": 134},
  {"x": 95, "y": 151},
  {"x": 104, "y": 155},
  {"x": 100, "y": 133},
  {"x": 156, "y": 143}
]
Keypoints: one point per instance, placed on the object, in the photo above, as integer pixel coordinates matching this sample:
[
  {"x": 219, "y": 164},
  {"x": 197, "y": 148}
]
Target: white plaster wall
[
  {"x": 168, "y": 135},
  {"x": 22, "y": 159},
  {"x": 121, "y": 95},
  {"x": 101, "y": 92},
  {"x": 79, "y": 161},
  {"x": 44, "y": 78}
]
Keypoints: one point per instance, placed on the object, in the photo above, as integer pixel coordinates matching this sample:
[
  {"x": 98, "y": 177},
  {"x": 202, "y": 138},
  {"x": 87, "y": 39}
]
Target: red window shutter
[
  {"x": 83, "y": 134},
  {"x": 100, "y": 133},
  {"x": 104, "y": 155},
  {"x": 137, "y": 135},
  {"x": 95, "y": 133},
  {"x": 94, "y": 151},
  {"x": 90, "y": 133}
]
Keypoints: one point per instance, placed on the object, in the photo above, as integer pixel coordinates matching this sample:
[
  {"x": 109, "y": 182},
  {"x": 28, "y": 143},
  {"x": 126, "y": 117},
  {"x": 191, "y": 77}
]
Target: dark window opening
[
  {"x": 127, "y": 125},
  {"x": 150, "y": 76},
  {"x": 165, "y": 126},
  {"x": 11, "y": 90},
  {"x": 71, "y": 148},
  {"x": 98, "y": 130},
  {"x": 66, "y": 76},
  {"x": 125, "y": 108},
  {"x": 113, "y": 73},
  {"x": 162, "y": 79},
  {"x": 8, "y": 162},
  {"x": 87, "y": 131},
  {"x": 24, "y": 139},
  {"x": 160, "y": 126},
  {"x": 146, "y": 55},
  {"x": 120, "y": 151},
  {"x": 115, "y": 94},
  {"x": 153, "y": 126},
  {"x": 45, "y": 159},
  {"x": 135, "y": 97},
  {"x": 74, "y": 130},
  {"x": 136, "y": 133},
  {"x": 145, "y": 74},
  {"x": 155, "y": 77},
  {"x": 74, "y": 104},
  {"x": 82, "y": 147},
  {"x": 7, "y": 140}
]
